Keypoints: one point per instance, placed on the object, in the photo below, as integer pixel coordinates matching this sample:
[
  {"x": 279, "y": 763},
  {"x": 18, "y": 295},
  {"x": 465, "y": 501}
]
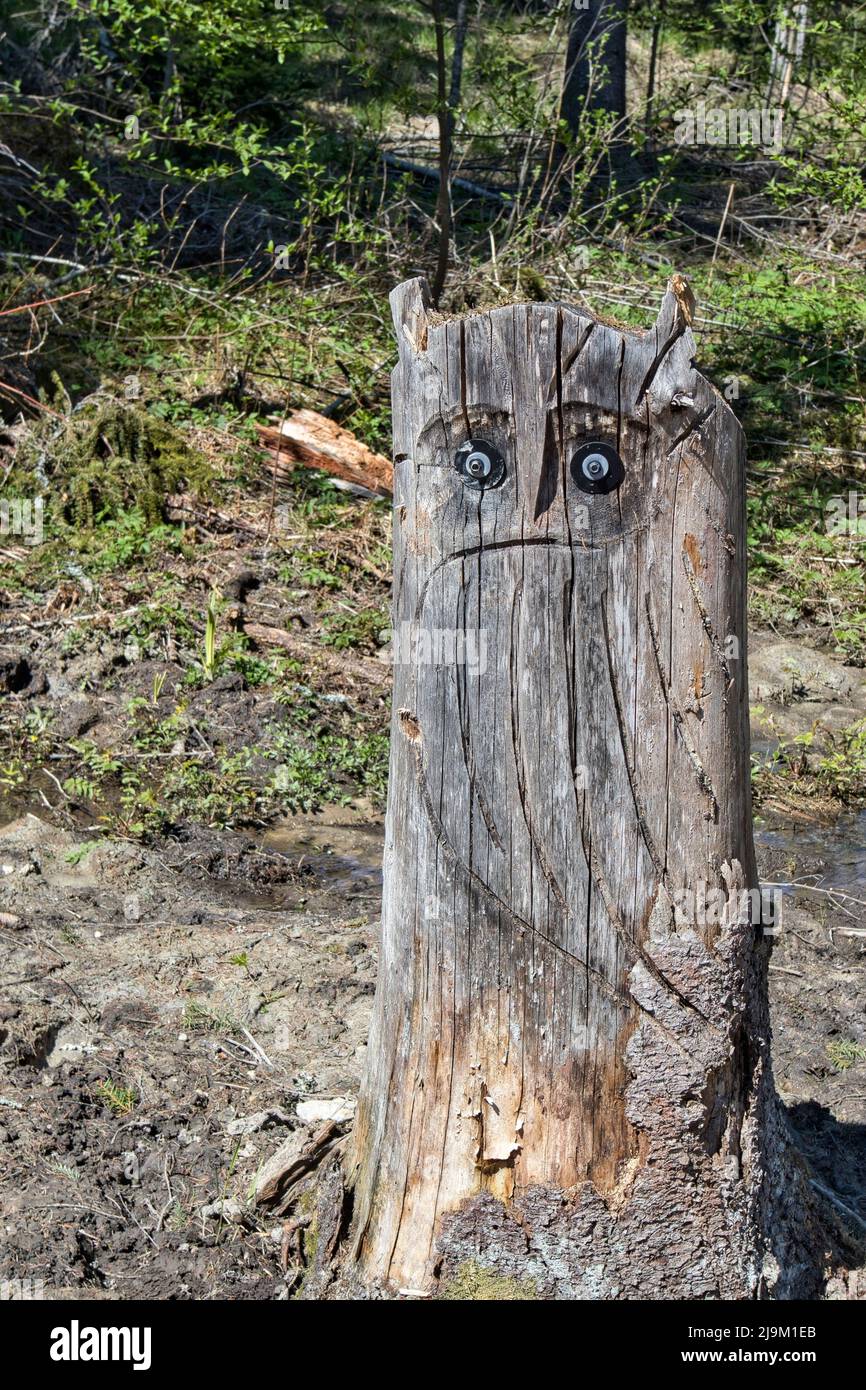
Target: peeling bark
[{"x": 568, "y": 1080}]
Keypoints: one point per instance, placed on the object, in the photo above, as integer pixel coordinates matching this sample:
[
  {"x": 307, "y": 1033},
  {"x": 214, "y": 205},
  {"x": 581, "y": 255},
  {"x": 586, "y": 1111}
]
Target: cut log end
[{"x": 311, "y": 440}]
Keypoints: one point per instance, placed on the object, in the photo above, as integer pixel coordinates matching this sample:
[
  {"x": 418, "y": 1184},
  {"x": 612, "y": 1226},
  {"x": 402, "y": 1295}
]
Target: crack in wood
[
  {"x": 517, "y": 749},
  {"x": 679, "y": 717},
  {"x": 631, "y": 771},
  {"x": 634, "y": 951},
  {"x": 564, "y": 367},
  {"x": 706, "y": 620},
  {"x": 518, "y": 923},
  {"x": 583, "y": 547},
  {"x": 692, "y": 426},
  {"x": 655, "y": 365}
]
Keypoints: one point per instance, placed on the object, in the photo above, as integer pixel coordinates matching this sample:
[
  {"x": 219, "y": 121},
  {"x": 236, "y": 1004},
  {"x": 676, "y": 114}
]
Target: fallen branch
[
  {"x": 293, "y": 1160},
  {"x": 424, "y": 171},
  {"x": 310, "y": 439},
  {"x": 40, "y": 303},
  {"x": 181, "y": 506},
  {"x": 368, "y": 669}
]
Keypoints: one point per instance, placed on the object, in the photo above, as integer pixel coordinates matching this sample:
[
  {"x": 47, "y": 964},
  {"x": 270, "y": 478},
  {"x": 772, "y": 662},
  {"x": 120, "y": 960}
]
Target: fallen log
[
  {"x": 313, "y": 441},
  {"x": 368, "y": 669}
]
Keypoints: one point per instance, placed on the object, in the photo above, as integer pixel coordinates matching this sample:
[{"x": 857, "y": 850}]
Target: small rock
[
  {"x": 335, "y": 1108},
  {"x": 788, "y": 672},
  {"x": 229, "y": 1208},
  {"x": 261, "y": 1119},
  {"x": 74, "y": 716},
  {"x": 132, "y": 908}
]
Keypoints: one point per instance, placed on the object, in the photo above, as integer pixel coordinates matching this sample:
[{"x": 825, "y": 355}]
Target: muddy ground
[
  {"x": 170, "y": 1018},
  {"x": 166, "y": 1023}
]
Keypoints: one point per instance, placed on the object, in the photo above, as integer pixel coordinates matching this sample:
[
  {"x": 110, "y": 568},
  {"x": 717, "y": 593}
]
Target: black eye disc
[
  {"x": 479, "y": 464},
  {"x": 597, "y": 468}
]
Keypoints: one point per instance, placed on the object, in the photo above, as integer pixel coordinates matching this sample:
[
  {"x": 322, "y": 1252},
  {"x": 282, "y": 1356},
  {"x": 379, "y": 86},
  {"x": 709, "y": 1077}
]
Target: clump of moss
[
  {"x": 112, "y": 456},
  {"x": 474, "y": 1284}
]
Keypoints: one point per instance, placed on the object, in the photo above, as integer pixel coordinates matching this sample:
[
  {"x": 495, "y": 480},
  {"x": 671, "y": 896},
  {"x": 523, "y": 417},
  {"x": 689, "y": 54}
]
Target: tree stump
[{"x": 568, "y": 1084}]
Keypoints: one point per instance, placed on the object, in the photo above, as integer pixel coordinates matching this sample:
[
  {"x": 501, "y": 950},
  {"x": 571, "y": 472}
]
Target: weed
[
  {"x": 80, "y": 852},
  {"x": 64, "y": 1170},
  {"x": 209, "y": 660},
  {"x": 197, "y": 1018},
  {"x": 332, "y": 769},
  {"x": 845, "y": 1054},
  {"x": 120, "y": 1099},
  {"x": 360, "y": 628},
  {"x": 110, "y": 460}
]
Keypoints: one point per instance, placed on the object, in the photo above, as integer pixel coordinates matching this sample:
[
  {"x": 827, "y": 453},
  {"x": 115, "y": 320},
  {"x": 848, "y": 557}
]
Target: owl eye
[
  {"x": 597, "y": 468},
  {"x": 479, "y": 464}
]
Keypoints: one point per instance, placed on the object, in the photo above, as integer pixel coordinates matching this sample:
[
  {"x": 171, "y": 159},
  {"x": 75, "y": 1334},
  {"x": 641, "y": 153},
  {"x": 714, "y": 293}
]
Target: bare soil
[
  {"x": 170, "y": 1017},
  {"x": 163, "y": 1017}
]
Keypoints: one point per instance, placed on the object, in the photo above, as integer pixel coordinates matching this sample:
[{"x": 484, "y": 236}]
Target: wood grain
[{"x": 553, "y": 1053}]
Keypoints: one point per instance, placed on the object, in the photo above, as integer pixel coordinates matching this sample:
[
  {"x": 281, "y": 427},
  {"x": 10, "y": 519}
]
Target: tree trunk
[
  {"x": 595, "y": 61},
  {"x": 568, "y": 1083},
  {"x": 789, "y": 41},
  {"x": 655, "y": 49},
  {"x": 448, "y": 100}
]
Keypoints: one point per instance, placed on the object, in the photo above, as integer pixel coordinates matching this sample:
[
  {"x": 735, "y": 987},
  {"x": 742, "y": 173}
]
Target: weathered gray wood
[{"x": 568, "y": 1081}]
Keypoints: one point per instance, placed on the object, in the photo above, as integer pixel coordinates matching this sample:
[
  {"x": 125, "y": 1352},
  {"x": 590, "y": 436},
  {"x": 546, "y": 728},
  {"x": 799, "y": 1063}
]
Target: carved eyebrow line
[
  {"x": 458, "y": 412},
  {"x": 569, "y": 407},
  {"x": 452, "y": 414}
]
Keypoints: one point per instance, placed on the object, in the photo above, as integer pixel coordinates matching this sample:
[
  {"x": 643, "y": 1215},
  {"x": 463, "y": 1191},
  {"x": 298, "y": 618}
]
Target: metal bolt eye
[
  {"x": 597, "y": 468},
  {"x": 480, "y": 465}
]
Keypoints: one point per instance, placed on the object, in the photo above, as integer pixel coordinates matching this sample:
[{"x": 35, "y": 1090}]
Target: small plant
[
  {"x": 197, "y": 1018},
  {"x": 27, "y": 743},
  {"x": 355, "y": 628},
  {"x": 844, "y": 1054},
  {"x": 842, "y": 770},
  {"x": 80, "y": 852},
  {"x": 332, "y": 769},
  {"x": 96, "y": 766},
  {"x": 177, "y": 1219},
  {"x": 209, "y": 663},
  {"x": 111, "y": 457},
  {"x": 119, "y": 1099},
  {"x": 64, "y": 1170}
]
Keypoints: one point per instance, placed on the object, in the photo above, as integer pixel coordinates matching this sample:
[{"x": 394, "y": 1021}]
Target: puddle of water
[
  {"x": 837, "y": 851},
  {"x": 344, "y": 853}
]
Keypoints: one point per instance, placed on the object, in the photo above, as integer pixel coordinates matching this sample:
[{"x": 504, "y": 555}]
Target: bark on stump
[{"x": 568, "y": 1082}]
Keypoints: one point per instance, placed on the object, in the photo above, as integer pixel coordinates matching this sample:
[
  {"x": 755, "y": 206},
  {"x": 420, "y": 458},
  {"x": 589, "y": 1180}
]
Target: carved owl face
[
  {"x": 568, "y": 737},
  {"x": 555, "y": 612}
]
